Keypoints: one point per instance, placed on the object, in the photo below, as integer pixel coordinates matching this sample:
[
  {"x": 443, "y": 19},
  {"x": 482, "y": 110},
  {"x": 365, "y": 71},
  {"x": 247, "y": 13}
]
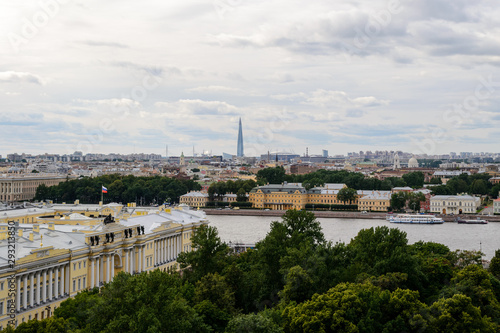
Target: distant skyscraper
[{"x": 239, "y": 152}]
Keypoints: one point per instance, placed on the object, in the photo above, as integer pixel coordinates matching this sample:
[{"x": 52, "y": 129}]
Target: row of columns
[
  {"x": 45, "y": 291},
  {"x": 102, "y": 269},
  {"x": 167, "y": 249}
]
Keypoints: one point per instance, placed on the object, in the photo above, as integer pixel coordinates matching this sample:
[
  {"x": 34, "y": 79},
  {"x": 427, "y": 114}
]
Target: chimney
[
  {"x": 20, "y": 233},
  {"x": 36, "y": 228},
  {"x": 51, "y": 226},
  {"x": 31, "y": 236}
]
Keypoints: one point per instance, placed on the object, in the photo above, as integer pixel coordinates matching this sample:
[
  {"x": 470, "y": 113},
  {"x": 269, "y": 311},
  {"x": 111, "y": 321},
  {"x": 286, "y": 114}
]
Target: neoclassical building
[
  {"x": 56, "y": 261},
  {"x": 454, "y": 204},
  {"x": 23, "y": 187}
]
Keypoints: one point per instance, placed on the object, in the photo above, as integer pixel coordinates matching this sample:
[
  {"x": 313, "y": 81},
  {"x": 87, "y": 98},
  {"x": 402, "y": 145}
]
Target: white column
[
  {"x": 68, "y": 279},
  {"x": 25, "y": 294},
  {"x": 92, "y": 273},
  {"x": 160, "y": 251},
  {"x": 167, "y": 249},
  {"x": 127, "y": 260},
  {"x": 101, "y": 269},
  {"x": 32, "y": 289},
  {"x": 108, "y": 270},
  {"x": 132, "y": 261},
  {"x": 179, "y": 245},
  {"x": 44, "y": 289},
  {"x": 56, "y": 282},
  {"x": 124, "y": 260},
  {"x": 143, "y": 258},
  {"x": 38, "y": 287},
  {"x": 18, "y": 293},
  {"x": 50, "y": 296},
  {"x": 63, "y": 281},
  {"x": 139, "y": 259},
  {"x": 112, "y": 267},
  {"x": 98, "y": 276}
]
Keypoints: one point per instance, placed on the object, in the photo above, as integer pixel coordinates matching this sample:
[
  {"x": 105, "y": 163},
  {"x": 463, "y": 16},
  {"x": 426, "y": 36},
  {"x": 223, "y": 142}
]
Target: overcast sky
[{"x": 134, "y": 76}]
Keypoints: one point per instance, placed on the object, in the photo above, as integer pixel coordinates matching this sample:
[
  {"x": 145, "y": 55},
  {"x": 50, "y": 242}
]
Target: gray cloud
[{"x": 16, "y": 77}]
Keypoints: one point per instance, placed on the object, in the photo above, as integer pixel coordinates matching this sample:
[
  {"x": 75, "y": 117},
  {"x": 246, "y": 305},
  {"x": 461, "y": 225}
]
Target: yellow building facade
[
  {"x": 54, "y": 262},
  {"x": 23, "y": 187},
  {"x": 279, "y": 197},
  {"x": 294, "y": 196}
]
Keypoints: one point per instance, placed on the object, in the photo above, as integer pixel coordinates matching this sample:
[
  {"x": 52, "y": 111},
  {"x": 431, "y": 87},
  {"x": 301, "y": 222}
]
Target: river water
[{"x": 251, "y": 229}]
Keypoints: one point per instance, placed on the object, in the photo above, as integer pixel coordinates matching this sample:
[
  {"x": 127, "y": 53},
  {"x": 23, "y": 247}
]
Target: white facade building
[
  {"x": 455, "y": 204},
  {"x": 496, "y": 206}
]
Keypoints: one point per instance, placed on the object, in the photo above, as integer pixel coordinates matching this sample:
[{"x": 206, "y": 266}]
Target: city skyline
[{"x": 410, "y": 76}]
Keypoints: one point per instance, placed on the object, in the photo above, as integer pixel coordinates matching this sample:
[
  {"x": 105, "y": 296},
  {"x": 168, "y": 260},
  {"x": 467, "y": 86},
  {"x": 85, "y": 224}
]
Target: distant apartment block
[{"x": 23, "y": 187}]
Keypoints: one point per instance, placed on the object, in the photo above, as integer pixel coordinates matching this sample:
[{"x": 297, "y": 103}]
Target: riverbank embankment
[{"x": 332, "y": 214}]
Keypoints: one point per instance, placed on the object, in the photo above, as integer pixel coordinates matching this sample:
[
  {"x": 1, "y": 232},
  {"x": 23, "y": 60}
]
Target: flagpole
[{"x": 102, "y": 194}]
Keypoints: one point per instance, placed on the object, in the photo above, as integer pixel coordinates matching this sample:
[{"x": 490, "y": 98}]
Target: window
[
  {"x": 1, "y": 308},
  {"x": 74, "y": 266},
  {"x": 84, "y": 264},
  {"x": 80, "y": 265},
  {"x": 79, "y": 284},
  {"x": 84, "y": 284},
  {"x": 1, "y": 286},
  {"x": 74, "y": 285}
]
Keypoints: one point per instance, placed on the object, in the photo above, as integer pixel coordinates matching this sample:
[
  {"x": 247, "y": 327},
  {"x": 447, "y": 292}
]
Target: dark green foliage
[
  {"x": 414, "y": 179},
  {"x": 331, "y": 207},
  {"x": 495, "y": 265},
  {"x": 148, "y": 190},
  {"x": 271, "y": 175},
  {"x": 398, "y": 200},
  {"x": 347, "y": 194},
  {"x": 239, "y": 187},
  {"x": 209, "y": 254}
]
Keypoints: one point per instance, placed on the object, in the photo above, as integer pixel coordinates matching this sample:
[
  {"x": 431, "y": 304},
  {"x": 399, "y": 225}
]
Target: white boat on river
[{"x": 415, "y": 219}]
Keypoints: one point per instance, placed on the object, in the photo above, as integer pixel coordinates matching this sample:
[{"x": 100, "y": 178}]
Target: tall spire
[{"x": 239, "y": 152}]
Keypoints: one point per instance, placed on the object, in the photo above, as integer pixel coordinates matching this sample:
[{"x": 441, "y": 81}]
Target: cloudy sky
[{"x": 134, "y": 76}]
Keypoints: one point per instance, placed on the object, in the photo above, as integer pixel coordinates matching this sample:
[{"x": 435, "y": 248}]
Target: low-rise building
[
  {"x": 496, "y": 206},
  {"x": 377, "y": 201},
  {"x": 455, "y": 204},
  {"x": 194, "y": 199}
]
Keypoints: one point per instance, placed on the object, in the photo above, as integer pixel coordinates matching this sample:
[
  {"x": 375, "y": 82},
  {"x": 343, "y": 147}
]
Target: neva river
[{"x": 251, "y": 229}]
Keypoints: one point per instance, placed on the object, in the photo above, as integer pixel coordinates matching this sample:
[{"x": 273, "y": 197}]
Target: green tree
[
  {"x": 241, "y": 195},
  {"x": 352, "y": 307},
  {"x": 253, "y": 323},
  {"x": 398, "y": 200},
  {"x": 479, "y": 186},
  {"x": 457, "y": 314},
  {"x": 414, "y": 200},
  {"x": 495, "y": 265},
  {"x": 414, "y": 179},
  {"x": 271, "y": 175},
  {"x": 298, "y": 285},
  {"x": 436, "y": 180},
  {"x": 208, "y": 255},
  {"x": 214, "y": 300},
  {"x": 347, "y": 194},
  {"x": 49, "y": 325}
]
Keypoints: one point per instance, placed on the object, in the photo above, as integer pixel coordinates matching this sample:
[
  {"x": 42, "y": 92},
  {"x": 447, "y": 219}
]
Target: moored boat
[
  {"x": 476, "y": 221},
  {"x": 415, "y": 219}
]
